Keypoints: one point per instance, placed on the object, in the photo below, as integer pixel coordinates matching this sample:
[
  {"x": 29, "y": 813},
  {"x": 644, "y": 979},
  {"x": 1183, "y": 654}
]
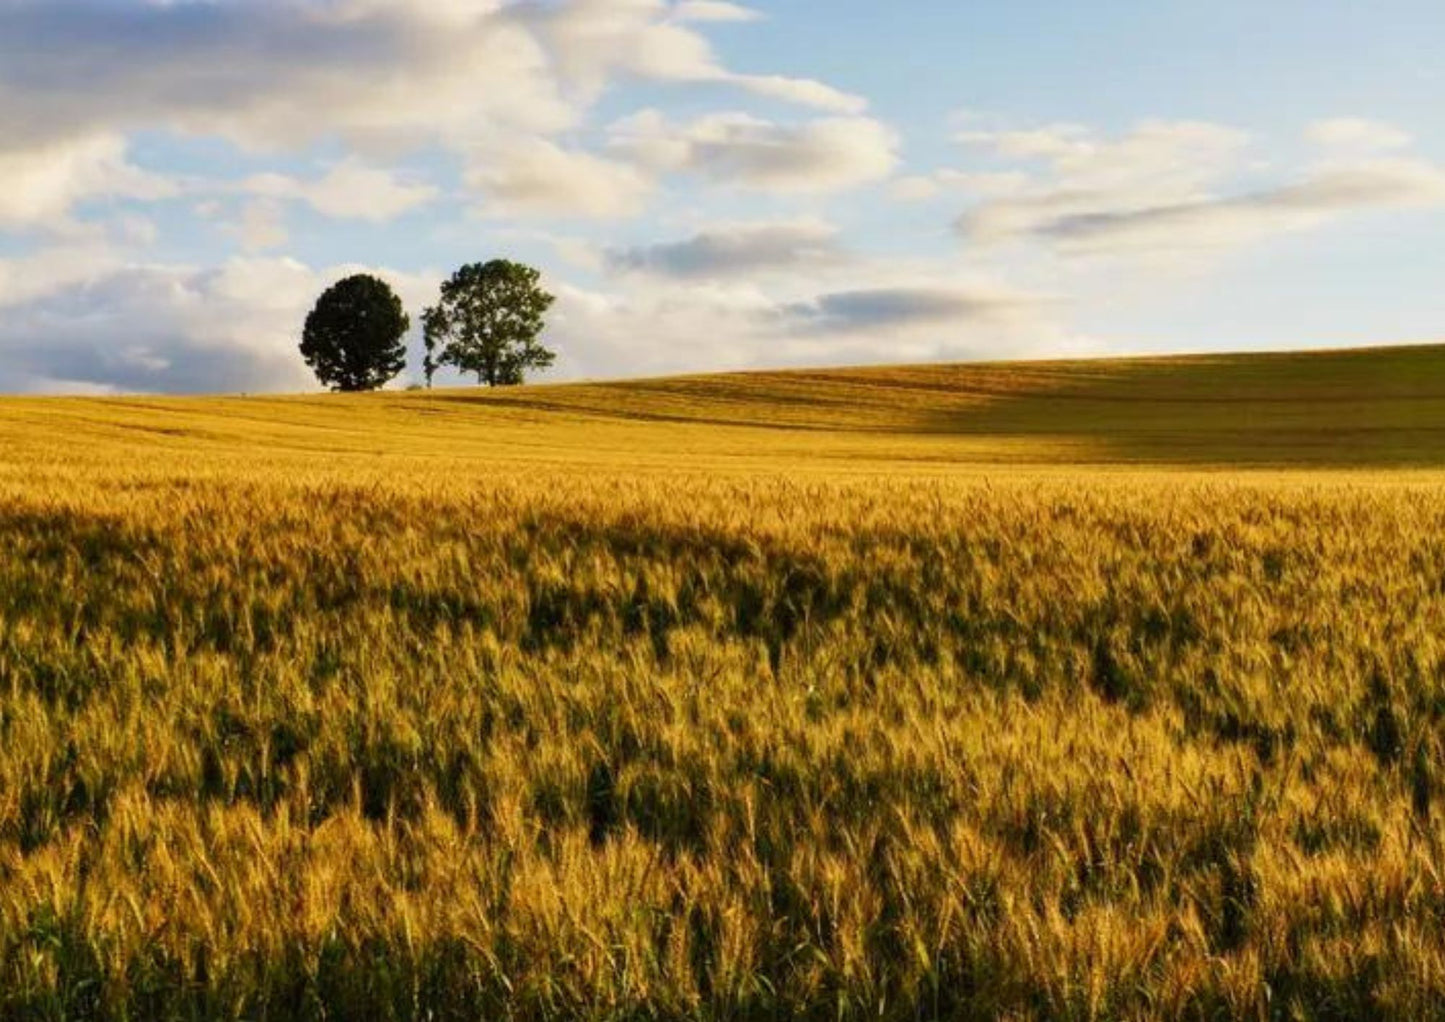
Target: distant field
[
  {"x": 1083, "y": 690},
  {"x": 1365, "y": 408}
]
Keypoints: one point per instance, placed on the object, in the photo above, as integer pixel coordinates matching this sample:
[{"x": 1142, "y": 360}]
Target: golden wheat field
[{"x": 1056, "y": 691}]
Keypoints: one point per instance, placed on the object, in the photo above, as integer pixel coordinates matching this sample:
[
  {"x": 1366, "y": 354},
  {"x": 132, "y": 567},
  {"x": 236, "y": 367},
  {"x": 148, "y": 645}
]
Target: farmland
[{"x": 1061, "y": 690}]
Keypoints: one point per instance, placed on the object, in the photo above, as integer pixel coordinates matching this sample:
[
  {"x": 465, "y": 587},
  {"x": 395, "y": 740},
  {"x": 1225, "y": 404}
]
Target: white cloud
[
  {"x": 737, "y": 250},
  {"x": 656, "y": 329},
  {"x": 1358, "y": 134},
  {"x": 594, "y": 41},
  {"x": 802, "y": 91},
  {"x": 540, "y": 178},
  {"x": 84, "y": 320},
  {"x": 922, "y": 187},
  {"x": 257, "y": 73},
  {"x": 825, "y": 155},
  {"x": 39, "y": 186},
  {"x": 156, "y": 328},
  {"x": 1236, "y": 219},
  {"x": 737, "y": 296},
  {"x": 1161, "y": 156},
  {"x": 350, "y": 190},
  {"x": 76, "y": 78},
  {"x": 53, "y": 269},
  {"x": 713, "y": 10},
  {"x": 1174, "y": 187},
  {"x": 262, "y": 226}
]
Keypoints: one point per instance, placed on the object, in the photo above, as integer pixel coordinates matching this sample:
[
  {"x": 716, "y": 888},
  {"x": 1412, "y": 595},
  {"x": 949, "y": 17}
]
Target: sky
[{"x": 709, "y": 185}]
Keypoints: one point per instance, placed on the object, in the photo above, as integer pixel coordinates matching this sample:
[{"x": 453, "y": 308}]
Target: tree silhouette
[{"x": 352, "y": 339}]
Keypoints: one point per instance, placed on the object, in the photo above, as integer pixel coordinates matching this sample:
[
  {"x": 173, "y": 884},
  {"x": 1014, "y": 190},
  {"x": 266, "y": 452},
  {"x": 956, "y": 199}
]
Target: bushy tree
[
  {"x": 353, "y": 336},
  {"x": 488, "y": 322}
]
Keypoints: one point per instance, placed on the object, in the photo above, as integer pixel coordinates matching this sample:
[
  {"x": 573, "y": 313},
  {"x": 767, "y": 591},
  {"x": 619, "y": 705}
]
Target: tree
[
  {"x": 488, "y": 321},
  {"x": 352, "y": 339},
  {"x": 429, "y": 360}
]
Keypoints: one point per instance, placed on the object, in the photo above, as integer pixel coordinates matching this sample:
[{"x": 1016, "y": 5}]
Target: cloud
[
  {"x": 1358, "y": 134},
  {"x": 350, "y": 190},
  {"x": 42, "y": 184},
  {"x": 101, "y": 324},
  {"x": 1230, "y": 220},
  {"x": 78, "y": 76},
  {"x": 262, "y": 226},
  {"x": 802, "y": 91},
  {"x": 874, "y": 309},
  {"x": 540, "y": 178},
  {"x": 1175, "y": 187},
  {"x": 922, "y": 187},
  {"x": 53, "y": 269},
  {"x": 713, "y": 10},
  {"x": 162, "y": 329},
  {"x": 735, "y": 250},
  {"x": 593, "y": 41},
  {"x": 825, "y": 155},
  {"x": 857, "y": 310},
  {"x": 1173, "y": 156},
  {"x": 256, "y": 73}
]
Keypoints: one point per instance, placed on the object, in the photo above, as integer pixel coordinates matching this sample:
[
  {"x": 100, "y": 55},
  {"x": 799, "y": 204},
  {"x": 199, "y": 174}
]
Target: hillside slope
[
  {"x": 843, "y": 694},
  {"x": 1382, "y": 407}
]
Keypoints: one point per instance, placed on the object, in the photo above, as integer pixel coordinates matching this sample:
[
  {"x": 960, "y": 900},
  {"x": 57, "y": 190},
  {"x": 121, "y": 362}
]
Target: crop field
[{"x": 1090, "y": 690}]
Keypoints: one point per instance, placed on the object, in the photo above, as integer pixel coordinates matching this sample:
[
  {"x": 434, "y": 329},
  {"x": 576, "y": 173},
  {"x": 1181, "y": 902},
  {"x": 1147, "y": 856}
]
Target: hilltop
[{"x": 1380, "y": 407}]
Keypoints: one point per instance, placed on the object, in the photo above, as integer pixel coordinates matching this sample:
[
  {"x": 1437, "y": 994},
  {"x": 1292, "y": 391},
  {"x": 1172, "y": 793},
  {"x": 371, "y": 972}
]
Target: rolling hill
[
  {"x": 1382, "y": 407},
  {"x": 1021, "y": 691}
]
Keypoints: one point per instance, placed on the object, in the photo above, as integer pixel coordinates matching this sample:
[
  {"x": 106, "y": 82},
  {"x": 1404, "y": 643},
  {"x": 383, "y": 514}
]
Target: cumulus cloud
[
  {"x": 162, "y": 329},
  {"x": 824, "y": 155},
  {"x": 673, "y": 316},
  {"x": 78, "y": 320},
  {"x": 42, "y": 184},
  {"x": 733, "y": 250},
  {"x": 538, "y": 177},
  {"x": 350, "y": 190},
  {"x": 256, "y": 73},
  {"x": 1357, "y": 133},
  {"x": 76, "y": 76},
  {"x": 595, "y": 40},
  {"x": 731, "y": 326},
  {"x": 54, "y": 268}
]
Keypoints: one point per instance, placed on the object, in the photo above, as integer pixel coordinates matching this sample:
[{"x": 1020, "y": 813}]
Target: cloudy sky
[{"x": 708, "y": 185}]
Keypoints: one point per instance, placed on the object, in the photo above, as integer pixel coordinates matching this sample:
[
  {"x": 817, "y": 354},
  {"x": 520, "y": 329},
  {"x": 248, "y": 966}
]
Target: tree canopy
[
  {"x": 488, "y": 322},
  {"x": 353, "y": 336}
]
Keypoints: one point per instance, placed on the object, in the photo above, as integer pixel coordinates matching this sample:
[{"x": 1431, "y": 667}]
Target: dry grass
[{"x": 755, "y": 697}]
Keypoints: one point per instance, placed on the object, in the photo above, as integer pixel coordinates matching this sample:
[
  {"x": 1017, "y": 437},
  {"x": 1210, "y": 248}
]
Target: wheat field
[{"x": 1093, "y": 690}]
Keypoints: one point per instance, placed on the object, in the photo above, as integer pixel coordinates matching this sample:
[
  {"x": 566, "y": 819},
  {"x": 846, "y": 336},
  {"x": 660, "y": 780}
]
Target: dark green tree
[
  {"x": 353, "y": 336},
  {"x": 488, "y": 322}
]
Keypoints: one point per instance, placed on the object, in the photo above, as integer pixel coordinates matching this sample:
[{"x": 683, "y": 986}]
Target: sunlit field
[{"x": 1088, "y": 690}]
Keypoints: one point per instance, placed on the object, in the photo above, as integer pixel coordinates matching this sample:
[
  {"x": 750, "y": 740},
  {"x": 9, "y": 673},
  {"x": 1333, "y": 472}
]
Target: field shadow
[{"x": 1382, "y": 408}]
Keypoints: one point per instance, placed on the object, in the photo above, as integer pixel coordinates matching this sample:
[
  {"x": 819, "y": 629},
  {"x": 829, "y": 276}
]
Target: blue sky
[{"x": 708, "y": 185}]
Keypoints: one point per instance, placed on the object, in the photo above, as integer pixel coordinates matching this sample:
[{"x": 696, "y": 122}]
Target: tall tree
[
  {"x": 353, "y": 336},
  {"x": 488, "y": 322}
]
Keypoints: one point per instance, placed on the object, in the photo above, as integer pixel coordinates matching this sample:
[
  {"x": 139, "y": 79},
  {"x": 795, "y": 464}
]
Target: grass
[{"x": 1071, "y": 690}]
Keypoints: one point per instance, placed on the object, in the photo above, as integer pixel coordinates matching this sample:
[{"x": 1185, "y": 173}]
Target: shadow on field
[{"x": 1348, "y": 409}]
